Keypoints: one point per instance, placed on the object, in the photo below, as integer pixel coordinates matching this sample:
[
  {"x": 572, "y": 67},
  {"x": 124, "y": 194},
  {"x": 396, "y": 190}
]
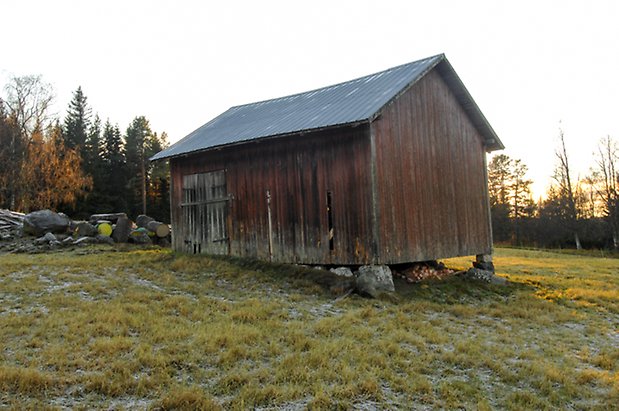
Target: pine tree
[
  {"x": 510, "y": 197},
  {"x": 77, "y": 121},
  {"x": 521, "y": 203},
  {"x": 499, "y": 174}
]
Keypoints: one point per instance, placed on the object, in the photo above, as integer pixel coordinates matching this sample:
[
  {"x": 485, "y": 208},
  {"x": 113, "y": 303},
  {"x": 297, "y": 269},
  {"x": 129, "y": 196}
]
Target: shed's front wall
[
  {"x": 293, "y": 179},
  {"x": 431, "y": 177}
]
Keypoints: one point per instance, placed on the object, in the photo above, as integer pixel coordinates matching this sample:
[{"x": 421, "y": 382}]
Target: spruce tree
[
  {"x": 136, "y": 140},
  {"x": 12, "y": 149},
  {"x": 77, "y": 122},
  {"x": 114, "y": 171},
  {"x": 158, "y": 181},
  {"x": 93, "y": 166},
  {"x": 91, "y": 152}
]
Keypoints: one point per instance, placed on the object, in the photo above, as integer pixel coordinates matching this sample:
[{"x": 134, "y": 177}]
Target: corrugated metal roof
[{"x": 345, "y": 103}]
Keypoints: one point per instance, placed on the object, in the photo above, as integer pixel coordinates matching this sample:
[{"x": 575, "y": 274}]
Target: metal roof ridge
[
  {"x": 439, "y": 59},
  {"x": 411, "y": 72},
  {"x": 390, "y": 69}
]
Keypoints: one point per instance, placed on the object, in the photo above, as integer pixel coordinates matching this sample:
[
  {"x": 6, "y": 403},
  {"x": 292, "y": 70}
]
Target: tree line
[
  {"x": 78, "y": 165},
  {"x": 575, "y": 213},
  {"x": 83, "y": 166}
]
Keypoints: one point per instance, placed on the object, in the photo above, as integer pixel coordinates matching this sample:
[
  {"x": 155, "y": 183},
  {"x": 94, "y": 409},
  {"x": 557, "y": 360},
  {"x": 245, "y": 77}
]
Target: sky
[{"x": 532, "y": 66}]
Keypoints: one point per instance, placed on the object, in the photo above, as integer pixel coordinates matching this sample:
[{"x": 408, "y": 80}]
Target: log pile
[
  {"x": 160, "y": 229},
  {"x": 16, "y": 230},
  {"x": 11, "y": 222},
  {"x": 418, "y": 272},
  {"x": 121, "y": 229}
]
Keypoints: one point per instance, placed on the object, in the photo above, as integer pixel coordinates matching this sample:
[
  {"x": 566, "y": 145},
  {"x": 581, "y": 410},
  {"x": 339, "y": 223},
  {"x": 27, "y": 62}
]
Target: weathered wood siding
[
  {"x": 431, "y": 181},
  {"x": 298, "y": 172}
]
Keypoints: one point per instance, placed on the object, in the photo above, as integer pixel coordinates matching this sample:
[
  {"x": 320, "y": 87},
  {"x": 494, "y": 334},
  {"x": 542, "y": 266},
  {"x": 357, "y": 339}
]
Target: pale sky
[{"x": 529, "y": 65}]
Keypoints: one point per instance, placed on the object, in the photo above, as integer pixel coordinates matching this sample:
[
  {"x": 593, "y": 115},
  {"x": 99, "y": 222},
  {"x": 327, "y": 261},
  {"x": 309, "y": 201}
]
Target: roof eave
[{"x": 261, "y": 139}]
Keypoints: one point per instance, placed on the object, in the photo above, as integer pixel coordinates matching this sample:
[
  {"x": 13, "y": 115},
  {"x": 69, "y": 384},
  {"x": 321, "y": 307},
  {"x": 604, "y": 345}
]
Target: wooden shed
[{"x": 384, "y": 169}]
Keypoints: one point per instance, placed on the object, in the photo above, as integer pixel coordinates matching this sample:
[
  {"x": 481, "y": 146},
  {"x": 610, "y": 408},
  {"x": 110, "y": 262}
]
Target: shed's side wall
[
  {"x": 431, "y": 181},
  {"x": 298, "y": 171}
]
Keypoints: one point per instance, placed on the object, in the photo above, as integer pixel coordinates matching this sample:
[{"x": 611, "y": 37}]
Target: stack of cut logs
[
  {"x": 423, "y": 271},
  {"x": 56, "y": 229},
  {"x": 121, "y": 229},
  {"x": 10, "y": 222}
]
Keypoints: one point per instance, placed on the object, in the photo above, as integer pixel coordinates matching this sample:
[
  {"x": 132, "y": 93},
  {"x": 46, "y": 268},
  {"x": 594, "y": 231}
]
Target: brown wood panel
[
  {"x": 431, "y": 177},
  {"x": 298, "y": 171},
  {"x": 429, "y": 183}
]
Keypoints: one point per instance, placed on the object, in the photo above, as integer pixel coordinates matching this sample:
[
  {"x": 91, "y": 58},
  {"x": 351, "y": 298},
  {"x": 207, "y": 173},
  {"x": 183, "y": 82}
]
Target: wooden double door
[{"x": 205, "y": 213}]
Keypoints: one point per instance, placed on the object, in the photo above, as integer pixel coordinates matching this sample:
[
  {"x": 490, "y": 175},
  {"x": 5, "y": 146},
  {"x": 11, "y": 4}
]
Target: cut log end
[{"x": 161, "y": 230}]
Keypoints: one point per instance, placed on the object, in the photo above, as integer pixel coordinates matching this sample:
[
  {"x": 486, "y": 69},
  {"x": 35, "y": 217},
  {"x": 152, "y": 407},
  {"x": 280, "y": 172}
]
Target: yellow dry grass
[{"x": 149, "y": 329}]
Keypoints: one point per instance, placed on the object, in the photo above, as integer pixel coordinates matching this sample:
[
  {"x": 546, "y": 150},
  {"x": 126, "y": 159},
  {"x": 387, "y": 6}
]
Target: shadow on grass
[
  {"x": 453, "y": 289},
  {"x": 244, "y": 269},
  {"x": 457, "y": 289}
]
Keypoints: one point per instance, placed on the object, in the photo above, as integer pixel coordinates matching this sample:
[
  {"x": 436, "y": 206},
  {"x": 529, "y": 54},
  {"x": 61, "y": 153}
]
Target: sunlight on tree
[
  {"x": 509, "y": 193},
  {"x": 604, "y": 181},
  {"x": 51, "y": 174},
  {"x": 566, "y": 189}
]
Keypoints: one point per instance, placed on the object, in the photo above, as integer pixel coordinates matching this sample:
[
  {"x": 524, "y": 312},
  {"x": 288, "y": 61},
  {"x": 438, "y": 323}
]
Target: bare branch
[{"x": 28, "y": 100}]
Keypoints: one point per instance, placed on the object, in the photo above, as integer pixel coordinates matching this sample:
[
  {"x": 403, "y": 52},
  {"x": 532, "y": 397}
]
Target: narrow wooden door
[{"x": 205, "y": 213}]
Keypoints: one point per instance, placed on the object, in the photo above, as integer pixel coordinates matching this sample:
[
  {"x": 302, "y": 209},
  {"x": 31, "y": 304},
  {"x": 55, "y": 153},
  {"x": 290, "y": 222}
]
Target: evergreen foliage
[
  {"x": 81, "y": 167},
  {"x": 574, "y": 211},
  {"x": 84, "y": 167},
  {"x": 77, "y": 121},
  {"x": 510, "y": 197},
  {"x": 12, "y": 149},
  {"x": 113, "y": 189},
  {"x": 37, "y": 169},
  {"x": 158, "y": 183},
  {"x": 92, "y": 149},
  {"x": 137, "y": 141}
]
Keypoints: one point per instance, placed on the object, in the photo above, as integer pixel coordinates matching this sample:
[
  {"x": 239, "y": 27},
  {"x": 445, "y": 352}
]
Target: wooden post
[
  {"x": 143, "y": 170},
  {"x": 374, "y": 206},
  {"x": 270, "y": 225}
]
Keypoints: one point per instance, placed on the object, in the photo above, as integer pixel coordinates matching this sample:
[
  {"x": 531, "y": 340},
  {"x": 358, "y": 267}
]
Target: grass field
[{"x": 148, "y": 329}]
